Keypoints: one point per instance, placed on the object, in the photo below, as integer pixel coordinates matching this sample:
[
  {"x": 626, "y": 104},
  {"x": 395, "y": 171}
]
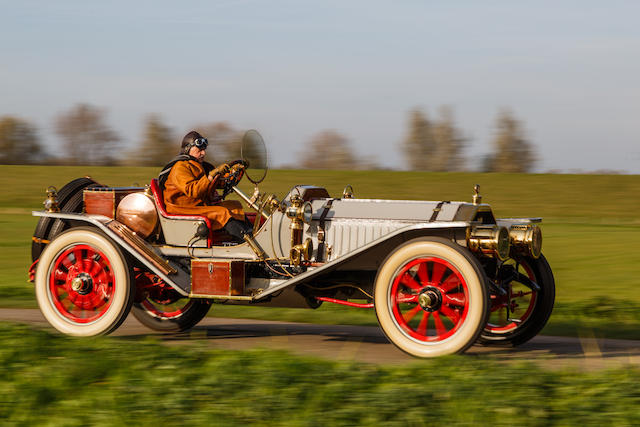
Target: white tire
[
  {"x": 83, "y": 284},
  {"x": 430, "y": 297}
]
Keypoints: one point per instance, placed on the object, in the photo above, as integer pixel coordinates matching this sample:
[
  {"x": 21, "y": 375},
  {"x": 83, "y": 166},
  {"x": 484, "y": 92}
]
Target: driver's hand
[
  {"x": 220, "y": 170},
  {"x": 237, "y": 167}
]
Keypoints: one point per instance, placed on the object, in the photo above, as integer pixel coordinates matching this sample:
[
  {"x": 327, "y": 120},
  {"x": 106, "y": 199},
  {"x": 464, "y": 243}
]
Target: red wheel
[
  {"x": 519, "y": 315},
  {"x": 160, "y": 307},
  {"x": 430, "y": 297},
  {"x": 167, "y": 311},
  {"x": 513, "y": 309},
  {"x": 83, "y": 283}
]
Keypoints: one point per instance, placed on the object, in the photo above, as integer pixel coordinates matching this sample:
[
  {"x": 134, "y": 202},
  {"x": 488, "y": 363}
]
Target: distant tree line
[{"x": 436, "y": 144}]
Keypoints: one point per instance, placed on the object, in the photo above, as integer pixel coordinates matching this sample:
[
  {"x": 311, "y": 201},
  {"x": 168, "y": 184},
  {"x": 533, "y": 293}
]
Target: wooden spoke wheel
[
  {"x": 430, "y": 297},
  {"x": 521, "y": 314},
  {"x": 161, "y": 308},
  {"x": 82, "y": 283}
]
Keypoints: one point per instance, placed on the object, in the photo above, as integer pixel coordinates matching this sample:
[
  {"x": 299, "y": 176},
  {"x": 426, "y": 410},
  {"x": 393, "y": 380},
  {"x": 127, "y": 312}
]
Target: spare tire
[
  {"x": 41, "y": 235},
  {"x": 74, "y": 205}
]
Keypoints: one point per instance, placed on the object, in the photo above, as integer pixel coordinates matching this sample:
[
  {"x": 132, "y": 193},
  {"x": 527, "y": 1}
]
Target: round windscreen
[{"x": 254, "y": 152}]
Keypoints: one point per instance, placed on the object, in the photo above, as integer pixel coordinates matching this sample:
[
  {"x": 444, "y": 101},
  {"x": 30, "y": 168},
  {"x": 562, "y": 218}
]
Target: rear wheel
[
  {"x": 161, "y": 308},
  {"x": 430, "y": 298},
  {"x": 521, "y": 314},
  {"x": 83, "y": 284}
]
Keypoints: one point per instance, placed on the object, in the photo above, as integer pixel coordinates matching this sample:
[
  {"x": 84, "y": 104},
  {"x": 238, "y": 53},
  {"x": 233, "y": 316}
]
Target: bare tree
[
  {"x": 512, "y": 152},
  {"x": 419, "y": 144},
  {"x": 87, "y": 138},
  {"x": 449, "y": 143},
  {"x": 328, "y": 150},
  {"x": 434, "y": 146},
  {"x": 158, "y": 145},
  {"x": 19, "y": 143}
]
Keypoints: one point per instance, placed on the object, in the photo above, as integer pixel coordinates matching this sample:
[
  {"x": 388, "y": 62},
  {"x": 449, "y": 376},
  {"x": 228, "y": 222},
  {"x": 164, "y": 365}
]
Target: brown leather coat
[{"x": 188, "y": 191}]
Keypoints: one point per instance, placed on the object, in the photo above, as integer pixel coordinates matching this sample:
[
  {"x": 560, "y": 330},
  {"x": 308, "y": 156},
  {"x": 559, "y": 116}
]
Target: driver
[{"x": 189, "y": 188}]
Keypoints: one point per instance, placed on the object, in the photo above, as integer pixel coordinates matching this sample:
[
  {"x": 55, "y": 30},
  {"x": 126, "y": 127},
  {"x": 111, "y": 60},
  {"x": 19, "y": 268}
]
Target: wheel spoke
[
  {"x": 59, "y": 275},
  {"x": 409, "y": 281},
  {"x": 95, "y": 267},
  {"x": 457, "y": 298},
  {"x": 409, "y": 315},
  {"x": 438, "y": 271},
  {"x": 423, "y": 274},
  {"x": 64, "y": 259},
  {"x": 77, "y": 253},
  {"x": 452, "y": 314},
  {"x": 497, "y": 307},
  {"x": 440, "y": 328},
  {"x": 452, "y": 282},
  {"x": 422, "y": 327},
  {"x": 406, "y": 298}
]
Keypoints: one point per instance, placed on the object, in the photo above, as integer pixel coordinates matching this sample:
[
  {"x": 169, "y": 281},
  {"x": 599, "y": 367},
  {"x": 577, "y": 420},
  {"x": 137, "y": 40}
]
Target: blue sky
[{"x": 568, "y": 69}]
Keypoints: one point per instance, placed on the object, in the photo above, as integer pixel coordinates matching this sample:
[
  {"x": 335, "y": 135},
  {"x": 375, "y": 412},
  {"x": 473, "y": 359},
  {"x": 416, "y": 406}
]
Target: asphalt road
[{"x": 365, "y": 343}]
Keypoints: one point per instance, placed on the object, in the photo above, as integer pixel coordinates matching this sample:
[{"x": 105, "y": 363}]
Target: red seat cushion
[{"x": 215, "y": 237}]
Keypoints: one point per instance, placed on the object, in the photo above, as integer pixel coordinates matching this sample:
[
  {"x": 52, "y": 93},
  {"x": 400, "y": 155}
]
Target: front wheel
[
  {"x": 430, "y": 297},
  {"x": 83, "y": 284},
  {"x": 522, "y": 312}
]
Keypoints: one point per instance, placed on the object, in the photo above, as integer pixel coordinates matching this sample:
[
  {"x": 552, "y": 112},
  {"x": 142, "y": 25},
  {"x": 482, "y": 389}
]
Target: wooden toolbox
[
  {"x": 217, "y": 278},
  {"x": 104, "y": 201}
]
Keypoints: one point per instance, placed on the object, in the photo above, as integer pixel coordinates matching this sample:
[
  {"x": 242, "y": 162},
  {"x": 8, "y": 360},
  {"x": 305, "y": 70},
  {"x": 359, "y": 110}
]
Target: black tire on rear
[
  {"x": 75, "y": 204},
  {"x": 45, "y": 223},
  {"x": 197, "y": 310}
]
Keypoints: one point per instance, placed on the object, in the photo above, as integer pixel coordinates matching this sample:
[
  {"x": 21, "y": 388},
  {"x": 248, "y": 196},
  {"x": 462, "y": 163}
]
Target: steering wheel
[{"x": 233, "y": 177}]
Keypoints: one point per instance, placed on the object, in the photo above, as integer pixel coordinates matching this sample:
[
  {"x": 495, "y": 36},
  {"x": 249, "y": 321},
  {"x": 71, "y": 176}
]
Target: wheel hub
[
  {"x": 430, "y": 299},
  {"x": 82, "y": 284}
]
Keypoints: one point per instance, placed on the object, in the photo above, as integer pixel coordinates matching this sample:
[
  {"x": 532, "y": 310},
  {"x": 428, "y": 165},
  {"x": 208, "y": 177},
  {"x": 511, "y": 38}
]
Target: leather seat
[{"x": 216, "y": 238}]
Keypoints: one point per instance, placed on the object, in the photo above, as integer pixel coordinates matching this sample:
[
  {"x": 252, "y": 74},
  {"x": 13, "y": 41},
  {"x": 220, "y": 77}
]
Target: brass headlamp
[
  {"x": 526, "y": 239},
  {"x": 490, "y": 240},
  {"x": 299, "y": 212}
]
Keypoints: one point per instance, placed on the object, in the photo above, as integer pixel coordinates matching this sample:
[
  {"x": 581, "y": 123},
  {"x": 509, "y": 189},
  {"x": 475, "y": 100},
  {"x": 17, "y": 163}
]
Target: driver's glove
[
  {"x": 220, "y": 170},
  {"x": 237, "y": 167}
]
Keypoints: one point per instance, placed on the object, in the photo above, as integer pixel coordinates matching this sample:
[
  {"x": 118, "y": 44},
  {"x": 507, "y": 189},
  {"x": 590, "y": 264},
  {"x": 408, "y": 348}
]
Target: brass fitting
[
  {"x": 347, "y": 193},
  {"x": 254, "y": 246},
  {"x": 51, "y": 202},
  {"x": 477, "y": 198},
  {"x": 526, "y": 239},
  {"x": 490, "y": 240},
  {"x": 301, "y": 251},
  {"x": 300, "y": 213}
]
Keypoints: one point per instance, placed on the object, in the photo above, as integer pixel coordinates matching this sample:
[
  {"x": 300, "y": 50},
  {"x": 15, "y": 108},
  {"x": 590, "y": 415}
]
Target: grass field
[
  {"x": 591, "y": 233},
  {"x": 58, "y": 380}
]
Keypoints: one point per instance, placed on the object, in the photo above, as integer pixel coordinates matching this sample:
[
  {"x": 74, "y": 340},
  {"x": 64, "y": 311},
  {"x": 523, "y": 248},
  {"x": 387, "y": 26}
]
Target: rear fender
[{"x": 144, "y": 253}]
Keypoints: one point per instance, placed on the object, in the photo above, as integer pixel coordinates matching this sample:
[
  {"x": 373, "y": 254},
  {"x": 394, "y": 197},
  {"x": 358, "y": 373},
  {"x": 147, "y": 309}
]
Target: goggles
[{"x": 201, "y": 143}]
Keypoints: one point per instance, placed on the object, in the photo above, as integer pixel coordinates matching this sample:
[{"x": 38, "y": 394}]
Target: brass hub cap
[
  {"x": 82, "y": 284},
  {"x": 430, "y": 299}
]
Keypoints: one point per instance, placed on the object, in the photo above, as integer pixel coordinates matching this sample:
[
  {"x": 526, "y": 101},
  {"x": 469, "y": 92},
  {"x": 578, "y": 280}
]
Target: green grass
[
  {"x": 591, "y": 233},
  {"x": 58, "y": 380}
]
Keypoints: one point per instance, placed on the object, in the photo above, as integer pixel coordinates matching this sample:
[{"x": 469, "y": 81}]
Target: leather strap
[
  {"x": 321, "y": 230},
  {"x": 437, "y": 210}
]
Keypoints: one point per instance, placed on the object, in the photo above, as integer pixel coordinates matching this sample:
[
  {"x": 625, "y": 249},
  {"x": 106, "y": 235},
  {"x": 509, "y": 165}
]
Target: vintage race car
[{"x": 440, "y": 275}]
